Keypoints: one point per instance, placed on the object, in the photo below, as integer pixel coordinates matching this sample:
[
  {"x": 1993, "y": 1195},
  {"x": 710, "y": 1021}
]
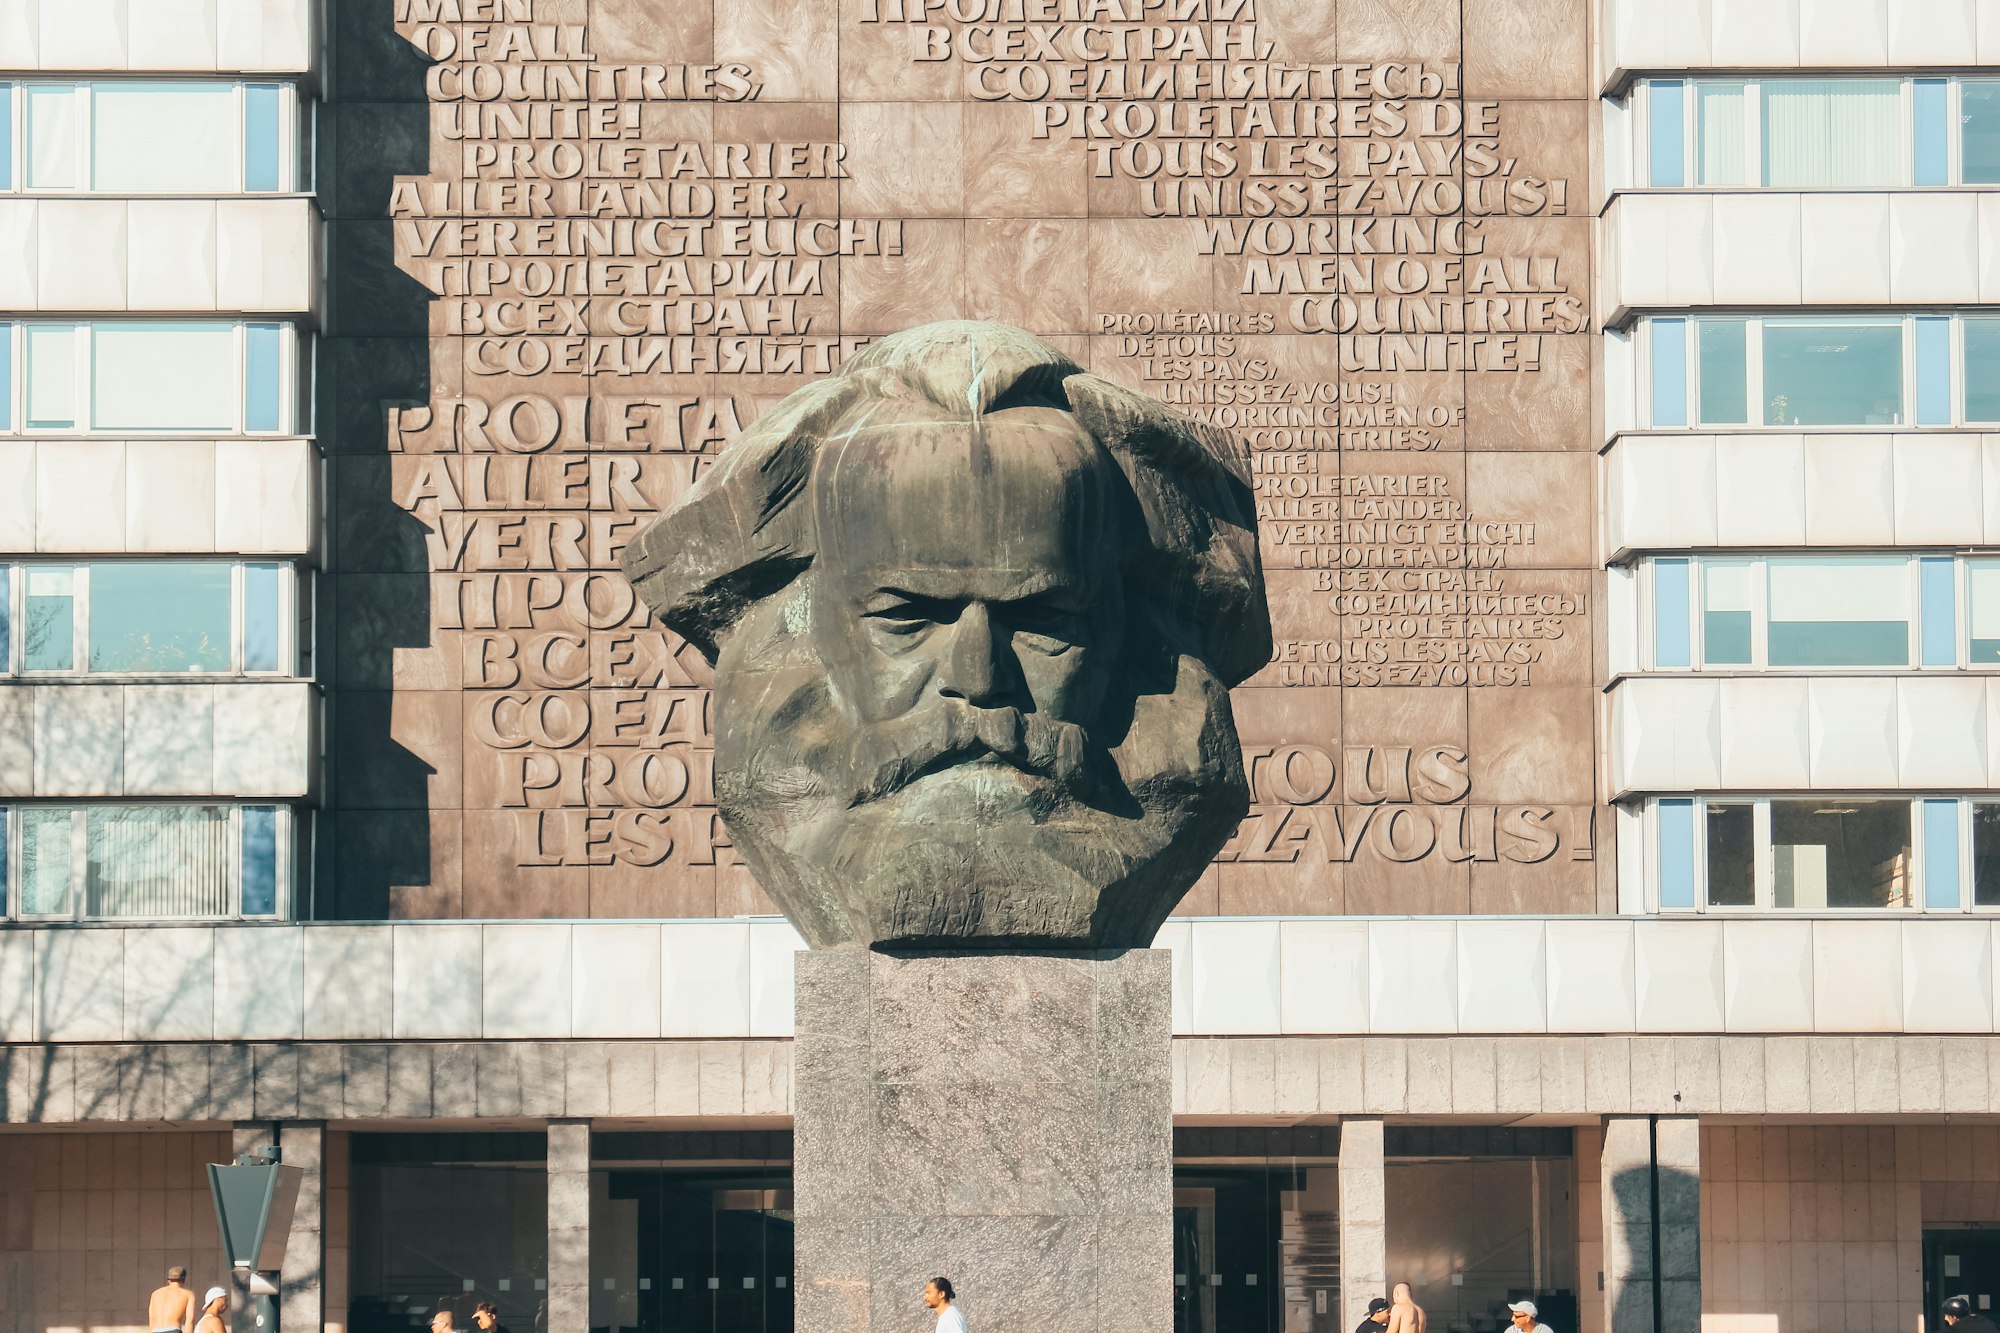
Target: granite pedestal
[{"x": 1004, "y": 1120}]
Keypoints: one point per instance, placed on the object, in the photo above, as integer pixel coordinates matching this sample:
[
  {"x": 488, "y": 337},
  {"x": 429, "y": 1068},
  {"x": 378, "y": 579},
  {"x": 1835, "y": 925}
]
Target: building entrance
[
  {"x": 1961, "y": 1261},
  {"x": 1256, "y": 1231}
]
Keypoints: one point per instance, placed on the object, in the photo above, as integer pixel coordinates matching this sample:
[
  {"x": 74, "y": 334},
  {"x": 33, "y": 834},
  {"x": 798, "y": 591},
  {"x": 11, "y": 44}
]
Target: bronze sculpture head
[{"x": 974, "y": 615}]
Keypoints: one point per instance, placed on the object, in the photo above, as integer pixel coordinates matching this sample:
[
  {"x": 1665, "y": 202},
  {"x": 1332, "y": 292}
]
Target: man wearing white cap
[
  {"x": 1525, "y": 1317},
  {"x": 213, "y": 1306}
]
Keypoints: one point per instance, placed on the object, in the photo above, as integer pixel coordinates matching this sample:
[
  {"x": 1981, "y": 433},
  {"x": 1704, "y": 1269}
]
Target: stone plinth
[{"x": 1003, "y": 1120}]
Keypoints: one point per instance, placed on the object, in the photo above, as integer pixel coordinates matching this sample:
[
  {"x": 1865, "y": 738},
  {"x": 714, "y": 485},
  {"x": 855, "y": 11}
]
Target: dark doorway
[
  {"x": 1961, "y": 1261},
  {"x": 692, "y": 1251},
  {"x": 1256, "y": 1248}
]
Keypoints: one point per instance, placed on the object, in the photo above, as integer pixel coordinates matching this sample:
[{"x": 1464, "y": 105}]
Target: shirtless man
[
  {"x": 170, "y": 1309},
  {"x": 1405, "y": 1315}
]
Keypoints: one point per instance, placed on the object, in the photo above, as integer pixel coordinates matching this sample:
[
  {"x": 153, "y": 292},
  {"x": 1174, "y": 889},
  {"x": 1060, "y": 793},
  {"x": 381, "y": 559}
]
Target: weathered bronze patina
[{"x": 974, "y": 615}]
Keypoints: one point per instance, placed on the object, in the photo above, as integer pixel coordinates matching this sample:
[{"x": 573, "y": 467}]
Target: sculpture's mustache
[{"x": 886, "y": 757}]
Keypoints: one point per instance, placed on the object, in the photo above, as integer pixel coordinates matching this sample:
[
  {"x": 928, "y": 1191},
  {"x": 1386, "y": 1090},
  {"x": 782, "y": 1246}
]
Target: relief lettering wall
[{"x": 1355, "y": 233}]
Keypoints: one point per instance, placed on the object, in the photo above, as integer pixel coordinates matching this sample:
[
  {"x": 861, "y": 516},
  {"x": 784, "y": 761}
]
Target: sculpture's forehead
[{"x": 1017, "y": 489}]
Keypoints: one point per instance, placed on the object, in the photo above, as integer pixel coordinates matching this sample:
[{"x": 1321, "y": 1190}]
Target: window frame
[
  {"x": 1652, "y": 326},
  {"x": 291, "y": 125},
  {"x": 1640, "y": 109},
  {"x": 12, "y": 817},
  {"x": 83, "y": 349},
  {"x": 292, "y": 599},
  {"x": 1760, "y": 612},
  {"x": 1764, "y": 869}
]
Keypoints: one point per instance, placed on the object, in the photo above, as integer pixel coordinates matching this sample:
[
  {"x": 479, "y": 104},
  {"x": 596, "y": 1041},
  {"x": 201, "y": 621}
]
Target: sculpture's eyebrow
[{"x": 952, "y": 585}]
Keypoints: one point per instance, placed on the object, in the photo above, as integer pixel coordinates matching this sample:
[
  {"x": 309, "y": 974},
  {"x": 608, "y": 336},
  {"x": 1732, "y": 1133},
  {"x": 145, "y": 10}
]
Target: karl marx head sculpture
[{"x": 974, "y": 614}]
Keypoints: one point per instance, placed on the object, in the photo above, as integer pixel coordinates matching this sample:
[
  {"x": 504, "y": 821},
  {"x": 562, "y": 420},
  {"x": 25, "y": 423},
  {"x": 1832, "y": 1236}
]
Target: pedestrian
[
  {"x": 170, "y": 1309},
  {"x": 1405, "y": 1315},
  {"x": 213, "y": 1306},
  {"x": 1378, "y": 1316},
  {"x": 487, "y": 1318},
  {"x": 1958, "y": 1314},
  {"x": 441, "y": 1321},
  {"x": 939, "y": 1296},
  {"x": 1527, "y": 1318}
]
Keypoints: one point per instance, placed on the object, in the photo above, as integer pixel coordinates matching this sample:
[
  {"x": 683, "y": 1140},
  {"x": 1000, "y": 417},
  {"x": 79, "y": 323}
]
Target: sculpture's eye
[
  {"x": 1048, "y": 624},
  {"x": 907, "y": 615}
]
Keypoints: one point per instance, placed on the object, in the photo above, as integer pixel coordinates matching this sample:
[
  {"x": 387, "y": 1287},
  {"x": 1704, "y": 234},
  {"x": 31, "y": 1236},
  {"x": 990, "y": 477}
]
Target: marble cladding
[
  {"x": 694, "y": 980},
  {"x": 1003, "y": 1119}
]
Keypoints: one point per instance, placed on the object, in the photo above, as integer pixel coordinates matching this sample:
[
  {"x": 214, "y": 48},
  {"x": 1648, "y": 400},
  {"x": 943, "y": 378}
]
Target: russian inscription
[{"x": 1358, "y": 245}]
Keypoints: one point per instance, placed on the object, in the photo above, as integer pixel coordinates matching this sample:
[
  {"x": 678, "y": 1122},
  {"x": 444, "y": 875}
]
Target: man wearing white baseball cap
[
  {"x": 213, "y": 1305},
  {"x": 1525, "y": 1317}
]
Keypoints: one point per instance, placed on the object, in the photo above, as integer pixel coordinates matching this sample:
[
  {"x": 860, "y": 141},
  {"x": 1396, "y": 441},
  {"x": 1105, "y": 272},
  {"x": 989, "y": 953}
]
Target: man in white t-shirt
[
  {"x": 940, "y": 1297},
  {"x": 1526, "y": 1318}
]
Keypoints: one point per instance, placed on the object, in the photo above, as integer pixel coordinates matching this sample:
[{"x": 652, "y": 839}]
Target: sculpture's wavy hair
[{"x": 742, "y": 534}]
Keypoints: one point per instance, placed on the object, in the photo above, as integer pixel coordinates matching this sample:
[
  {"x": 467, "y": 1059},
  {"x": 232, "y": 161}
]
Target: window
[
  {"x": 146, "y": 862},
  {"x": 154, "y": 617},
  {"x": 1798, "y": 371},
  {"x": 208, "y": 377},
  {"x": 1803, "y": 132},
  {"x": 1825, "y": 611},
  {"x": 1821, "y": 853},
  {"x": 135, "y": 137}
]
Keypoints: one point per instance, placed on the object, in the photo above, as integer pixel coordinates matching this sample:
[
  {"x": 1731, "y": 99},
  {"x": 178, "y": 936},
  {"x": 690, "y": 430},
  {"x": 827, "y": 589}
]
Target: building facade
[{"x": 1614, "y": 925}]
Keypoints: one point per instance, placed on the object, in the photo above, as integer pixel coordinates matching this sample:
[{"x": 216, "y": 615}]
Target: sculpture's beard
[
  {"x": 958, "y": 825},
  {"x": 884, "y": 758}
]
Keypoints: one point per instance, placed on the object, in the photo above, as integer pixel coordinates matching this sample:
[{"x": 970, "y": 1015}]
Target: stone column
[
  {"x": 1002, "y": 1120},
  {"x": 301, "y": 1298},
  {"x": 569, "y": 1226},
  {"x": 1364, "y": 1232},
  {"x": 1652, "y": 1170}
]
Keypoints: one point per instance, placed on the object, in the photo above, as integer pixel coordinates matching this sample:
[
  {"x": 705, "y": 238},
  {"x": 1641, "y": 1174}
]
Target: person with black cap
[
  {"x": 1378, "y": 1317},
  {"x": 1959, "y": 1316}
]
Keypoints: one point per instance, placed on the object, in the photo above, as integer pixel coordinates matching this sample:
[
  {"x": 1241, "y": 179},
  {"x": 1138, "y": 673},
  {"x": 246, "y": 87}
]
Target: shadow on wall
[
  {"x": 1642, "y": 1196},
  {"x": 374, "y": 853}
]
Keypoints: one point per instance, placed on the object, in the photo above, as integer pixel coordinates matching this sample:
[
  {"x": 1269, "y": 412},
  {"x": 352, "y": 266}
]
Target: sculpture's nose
[{"x": 975, "y": 667}]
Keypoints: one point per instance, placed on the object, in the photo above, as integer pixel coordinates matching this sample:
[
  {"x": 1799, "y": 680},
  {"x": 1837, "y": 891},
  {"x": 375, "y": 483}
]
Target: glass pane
[
  {"x": 1671, "y": 647},
  {"x": 1940, "y": 854},
  {"x": 1930, "y": 160},
  {"x": 1979, "y": 117},
  {"x": 1468, "y": 1234},
  {"x": 1676, "y": 823},
  {"x": 433, "y": 1232},
  {"x": 52, "y": 138},
  {"x": 1669, "y": 372},
  {"x": 1982, "y": 581},
  {"x": 157, "y": 861},
  {"x": 46, "y": 862},
  {"x": 51, "y": 376},
  {"x": 1853, "y": 611},
  {"x": 6, "y": 136},
  {"x": 1933, "y": 371},
  {"x": 1982, "y": 369},
  {"x": 6, "y": 376},
  {"x": 51, "y": 629},
  {"x": 163, "y": 138},
  {"x": 1725, "y": 612},
  {"x": 1732, "y": 856},
  {"x": 1723, "y": 349},
  {"x": 1719, "y": 114},
  {"x": 1833, "y": 132},
  {"x": 260, "y": 618},
  {"x": 1826, "y": 374},
  {"x": 159, "y": 617},
  {"x": 260, "y": 860},
  {"x": 660, "y": 1227},
  {"x": 1936, "y": 578},
  {"x": 260, "y": 137},
  {"x": 1665, "y": 155},
  {"x": 1831, "y": 851},
  {"x": 163, "y": 377},
  {"x": 1986, "y": 854},
  {"x": 261, "y": 375}
]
